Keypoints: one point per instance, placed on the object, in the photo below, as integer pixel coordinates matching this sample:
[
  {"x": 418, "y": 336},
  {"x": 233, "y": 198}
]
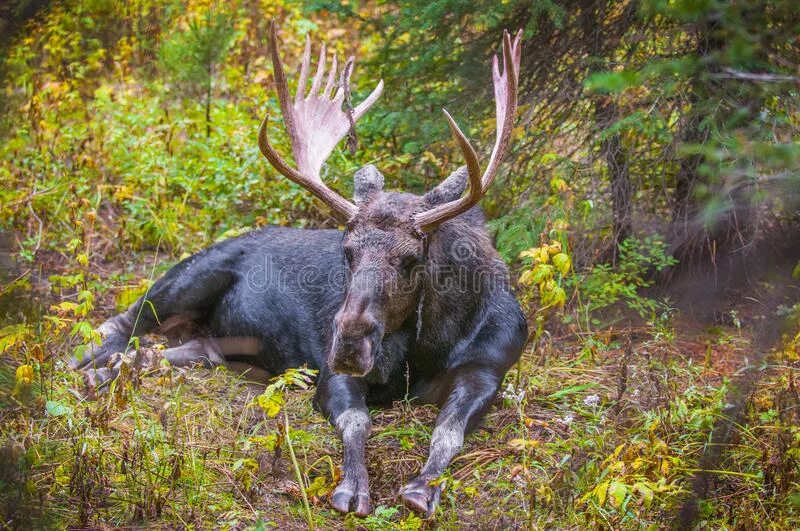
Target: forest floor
[{"x": 606, "y": 429}]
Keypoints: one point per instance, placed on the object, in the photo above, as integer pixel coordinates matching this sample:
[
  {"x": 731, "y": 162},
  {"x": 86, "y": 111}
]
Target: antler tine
[
  {"x": 505, "y": 104},
  {"x": 304, "y": 67},
  {"x": 344, "y": 80},
  {"x": 320, "y": 71},
  {"x": 280, "y": 81},
  {"x": 331, "y": 78},
  {"x": 315, "y": 123},
  {"x": 505, "y": 94},
  {"x": 365, "y": 105}
]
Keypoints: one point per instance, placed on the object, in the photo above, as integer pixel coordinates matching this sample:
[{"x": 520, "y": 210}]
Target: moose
[{"x": 410, "y": 299}]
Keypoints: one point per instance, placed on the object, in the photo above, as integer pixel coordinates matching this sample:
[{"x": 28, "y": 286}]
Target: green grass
[{"x": 603, "y": 436}]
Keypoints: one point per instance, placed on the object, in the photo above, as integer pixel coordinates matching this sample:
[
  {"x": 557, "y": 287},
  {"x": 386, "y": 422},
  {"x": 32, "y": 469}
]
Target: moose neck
[{"x": 462, "y": 269}]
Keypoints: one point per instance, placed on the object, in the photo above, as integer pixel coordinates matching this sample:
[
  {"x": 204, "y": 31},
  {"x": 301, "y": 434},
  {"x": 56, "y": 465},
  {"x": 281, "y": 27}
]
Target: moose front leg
[
  {"x": 341, "y": 399},
  {"x": 469, "y": 394}
]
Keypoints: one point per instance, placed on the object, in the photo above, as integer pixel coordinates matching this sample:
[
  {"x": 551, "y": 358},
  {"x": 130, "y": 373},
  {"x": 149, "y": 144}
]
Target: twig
[
  {"x": 30, "y": 196},
  {"x": 730, "y": 73},
  {"x": 297, "y": 473}
]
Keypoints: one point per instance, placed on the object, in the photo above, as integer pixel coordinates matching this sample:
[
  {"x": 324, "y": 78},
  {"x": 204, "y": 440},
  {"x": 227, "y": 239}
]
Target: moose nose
[
  {"x": 354, "y": 325},
  {"x": 354, "y": 343}
]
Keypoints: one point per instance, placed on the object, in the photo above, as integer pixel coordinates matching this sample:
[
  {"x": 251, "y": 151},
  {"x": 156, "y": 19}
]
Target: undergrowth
[{"x": 606, "y": 429}]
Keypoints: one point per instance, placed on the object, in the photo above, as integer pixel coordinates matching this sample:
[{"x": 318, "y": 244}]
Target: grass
[{"x": 601, "y": 430}]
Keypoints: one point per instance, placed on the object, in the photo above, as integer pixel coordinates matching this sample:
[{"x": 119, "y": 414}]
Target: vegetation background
[{"x": 648, "y": 211}]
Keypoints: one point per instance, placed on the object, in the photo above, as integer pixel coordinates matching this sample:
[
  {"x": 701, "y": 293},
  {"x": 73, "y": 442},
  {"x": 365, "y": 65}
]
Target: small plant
[
  {"x": 547, "y": 270},
  {"x": 384, "y": 517},
  {"x": 192, "y": 58},
  {"x": 604, "y": 285},
  {"x": 271, "y": 401}
]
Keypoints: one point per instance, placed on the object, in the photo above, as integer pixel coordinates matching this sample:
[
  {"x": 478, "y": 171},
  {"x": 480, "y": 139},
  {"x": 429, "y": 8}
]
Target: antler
[
  {"x": 505, "y": 97},
  {"x": 315, "y": 123}
]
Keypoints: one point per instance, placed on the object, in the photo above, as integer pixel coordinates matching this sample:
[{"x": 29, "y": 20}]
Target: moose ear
[
  {"x": 450, "y": 189},
  {"x": 368, "y": 180}
]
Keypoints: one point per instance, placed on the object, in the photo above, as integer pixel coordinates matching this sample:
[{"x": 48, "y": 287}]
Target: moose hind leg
[
  {"x": 212, "y": 351},
  {"x": 200, "y": 351},
  {"x": 186, "y": 292},
  {"x": 115, "y": 333},
  {"x": 471, "y": 391}
]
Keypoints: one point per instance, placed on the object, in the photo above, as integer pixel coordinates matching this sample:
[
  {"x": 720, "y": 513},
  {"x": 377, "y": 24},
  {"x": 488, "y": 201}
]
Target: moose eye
[
  {"x": 409, "y": 262},
  {"x": 348, "y": 254}
]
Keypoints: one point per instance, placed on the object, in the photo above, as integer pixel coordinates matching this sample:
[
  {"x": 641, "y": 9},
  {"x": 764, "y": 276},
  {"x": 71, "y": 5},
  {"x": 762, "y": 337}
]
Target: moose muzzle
[{"x": 356, "y": 338}]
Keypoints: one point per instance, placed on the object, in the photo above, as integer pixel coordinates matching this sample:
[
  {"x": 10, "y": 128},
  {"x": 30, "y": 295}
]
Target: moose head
[{"x": 387, "y": 232}]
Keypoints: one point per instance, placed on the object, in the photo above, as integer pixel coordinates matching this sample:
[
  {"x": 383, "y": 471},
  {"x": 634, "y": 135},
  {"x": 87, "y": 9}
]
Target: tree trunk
[{"x": 606, "y": 115}]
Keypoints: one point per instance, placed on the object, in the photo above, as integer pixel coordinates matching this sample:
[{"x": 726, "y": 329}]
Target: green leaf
[
  {"x": 794, "y": 499},
  {"x": 541, "y": 272},
  {"x": 617, "y": 492},
  {"x": 646, "y": 493},
  {"x": 82, "y": 330},
  {"x": 611, "y": 82},
  {"x": 570, "y": 391},
  {"x": 57, "y": 409}
]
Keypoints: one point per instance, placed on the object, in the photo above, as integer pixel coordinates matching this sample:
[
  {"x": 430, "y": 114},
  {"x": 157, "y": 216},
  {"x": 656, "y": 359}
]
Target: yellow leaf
[
  {"x": 37, "y": 352},
  {"x": 522, "y": 444},
  {"x": 24, "y": 380},
  {"x": 618, "y": 450},
  {"x": 544, "y": 256},
  {"x": 600, "y": 493},
  {"x": 24, "y": 374},
  {"x": 13, "y": 335},
  {"x": 130, "y": 294},
  {"x": 559, "y": 296},
  {"x": 562, "y": 263},
  {"x": 64, "y": 307},
  {"x": 558, "y": 184},
  {"x": 533, "y": 253},
  {"x": 271, "y": 401}
]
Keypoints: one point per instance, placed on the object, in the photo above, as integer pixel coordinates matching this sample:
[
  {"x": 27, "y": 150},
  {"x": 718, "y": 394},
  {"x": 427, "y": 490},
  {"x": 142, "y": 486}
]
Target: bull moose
[{"x": 411, "y": 299}]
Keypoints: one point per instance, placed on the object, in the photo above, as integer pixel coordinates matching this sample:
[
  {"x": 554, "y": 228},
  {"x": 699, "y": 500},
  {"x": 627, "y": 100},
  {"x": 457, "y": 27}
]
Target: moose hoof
[
  {"x": 345, "y": 500},
  {"x": 421, "y": 497},
  {"x": 96, "y": 380}
]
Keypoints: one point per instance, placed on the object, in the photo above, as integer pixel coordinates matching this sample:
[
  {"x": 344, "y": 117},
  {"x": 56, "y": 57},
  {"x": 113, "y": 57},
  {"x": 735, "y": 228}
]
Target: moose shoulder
[{"x": 411, "y": 299}]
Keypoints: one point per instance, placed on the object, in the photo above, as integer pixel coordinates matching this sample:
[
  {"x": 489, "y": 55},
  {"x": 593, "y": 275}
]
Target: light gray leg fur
[{"x": 352, "y": 493}]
